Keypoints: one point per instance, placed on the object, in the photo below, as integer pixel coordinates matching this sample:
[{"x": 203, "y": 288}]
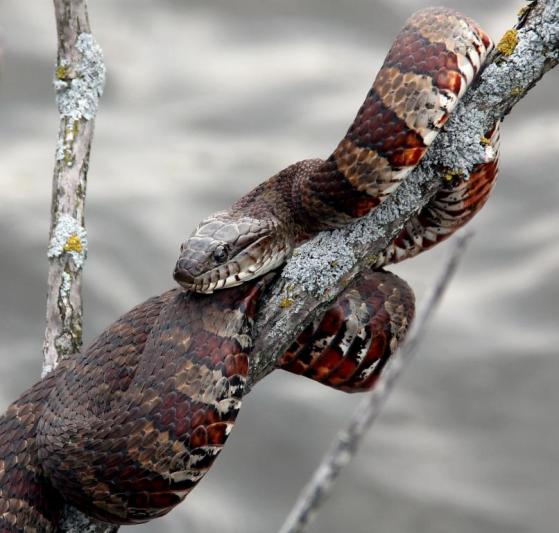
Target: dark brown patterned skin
[
  {"x": 126, "y": 429},
  {"x": 156, "y": 422},
  {"x": 27, "y": 500}
]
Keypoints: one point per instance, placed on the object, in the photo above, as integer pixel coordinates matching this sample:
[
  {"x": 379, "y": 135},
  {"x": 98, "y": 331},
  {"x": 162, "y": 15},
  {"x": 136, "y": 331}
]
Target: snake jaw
[{"x": 224, "y": 252}]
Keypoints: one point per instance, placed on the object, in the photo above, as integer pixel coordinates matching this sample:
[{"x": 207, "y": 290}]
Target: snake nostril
[{"x": 181, "y": 274}]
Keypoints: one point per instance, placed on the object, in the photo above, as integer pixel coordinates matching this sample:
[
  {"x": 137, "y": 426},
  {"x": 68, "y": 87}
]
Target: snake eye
[{"x": 220, "y": 254}]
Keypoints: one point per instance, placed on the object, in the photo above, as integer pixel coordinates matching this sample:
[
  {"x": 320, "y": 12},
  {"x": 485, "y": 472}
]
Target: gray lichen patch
[
  {"x": 463, "y": 131},
  {"x": 69, "y": 237},
  {"x": 65, "y": 143},
  {"x": 64, "y": 345},
  {"x": 60, "y": 149},
  {"x": 460, "y": 148},
  {"x": 73, "y": 521},
  {"x": 536, "y": 45},
  {"x": 281, "y": 329},
  {"x": 516, "y": 74},
  {"x": 321, "y": 262},
  {"x": 548, "y": 29},
  {"x": 65, "y": 285},
  {"x": 47, "y": 369},
  {"x": 78, "y": 97}
]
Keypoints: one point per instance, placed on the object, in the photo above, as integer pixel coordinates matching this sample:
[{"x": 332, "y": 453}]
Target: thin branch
[
  {"x": 79, "y": 80},
  {"x": 323, "y": 267},
  {"x": 348, "y": 440}
]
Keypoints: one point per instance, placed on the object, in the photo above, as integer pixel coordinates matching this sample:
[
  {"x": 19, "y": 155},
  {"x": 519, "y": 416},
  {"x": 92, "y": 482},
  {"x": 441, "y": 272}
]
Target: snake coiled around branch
[{"x": 125, "y": 429}]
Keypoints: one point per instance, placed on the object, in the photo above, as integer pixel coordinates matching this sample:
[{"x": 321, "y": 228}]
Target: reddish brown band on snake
[{"x": 127, "y": 428}]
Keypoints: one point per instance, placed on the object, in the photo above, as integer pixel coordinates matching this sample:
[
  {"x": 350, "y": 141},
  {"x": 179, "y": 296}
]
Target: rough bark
[
  {"x": 321, "y": 268},
  {"x": 79, "y": 79}
]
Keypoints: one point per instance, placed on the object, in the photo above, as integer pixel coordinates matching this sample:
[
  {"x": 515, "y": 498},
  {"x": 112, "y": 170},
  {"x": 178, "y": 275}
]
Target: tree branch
[
  {"x": 348, "y": 440},
  {"x": 79, "y": 80},
  {"x": 321, "y": 268}
]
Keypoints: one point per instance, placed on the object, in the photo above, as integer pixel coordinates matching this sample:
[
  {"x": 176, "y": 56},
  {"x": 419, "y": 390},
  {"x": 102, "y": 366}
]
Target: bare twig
[
  {"x": 325, "y": 265},
  {"x": 348, "y": 440},
  {"x": 79, "y": 80}
]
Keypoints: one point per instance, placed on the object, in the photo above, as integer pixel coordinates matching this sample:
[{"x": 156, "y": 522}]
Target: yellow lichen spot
[
  {"x": 333, "y": 263},
  {"x": 451, "y": 175},
  {"x": 285, "y": 303},
  {"x": 484, "y": 141},
  {"x": 60, "y": 72},
  {"x": 516, "y": 91},
  {"x": 371, "y": 259},
  {"x": 68, "y": 158},
  {"x": 73, "y": 244},
  {"x": 508, "y": 42},
  {"x": 71, "y": 131}
]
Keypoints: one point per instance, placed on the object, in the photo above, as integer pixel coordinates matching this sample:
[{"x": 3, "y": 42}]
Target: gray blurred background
[{"x": 205, "y": 100}]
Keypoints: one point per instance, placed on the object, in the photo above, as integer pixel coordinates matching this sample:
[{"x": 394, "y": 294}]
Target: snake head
[{"x": 225, "y": 251}]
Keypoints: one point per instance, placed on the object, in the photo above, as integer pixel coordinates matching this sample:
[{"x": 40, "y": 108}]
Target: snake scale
[{"x": 125, "y": 429}]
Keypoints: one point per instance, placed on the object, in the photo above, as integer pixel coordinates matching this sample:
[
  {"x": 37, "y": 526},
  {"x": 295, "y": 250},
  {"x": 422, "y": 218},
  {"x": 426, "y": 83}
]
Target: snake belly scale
[{"x": 125, "y": 429}]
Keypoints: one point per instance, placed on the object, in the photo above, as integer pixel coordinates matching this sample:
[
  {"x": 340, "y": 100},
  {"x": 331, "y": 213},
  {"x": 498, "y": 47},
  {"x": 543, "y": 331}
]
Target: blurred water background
[{"x": 206, "y": 99}]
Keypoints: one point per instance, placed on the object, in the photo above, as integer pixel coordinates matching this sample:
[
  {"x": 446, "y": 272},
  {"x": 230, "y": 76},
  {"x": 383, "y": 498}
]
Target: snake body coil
[{"x": 127, "y": 428}]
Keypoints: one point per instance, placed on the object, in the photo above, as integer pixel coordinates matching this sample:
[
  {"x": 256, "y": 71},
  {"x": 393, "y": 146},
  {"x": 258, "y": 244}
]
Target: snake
[{"x": 125, "y": 429}]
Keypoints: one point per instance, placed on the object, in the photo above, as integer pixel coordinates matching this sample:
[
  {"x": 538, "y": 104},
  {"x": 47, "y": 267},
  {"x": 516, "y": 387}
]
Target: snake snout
[{"x": 182, "y": 274}]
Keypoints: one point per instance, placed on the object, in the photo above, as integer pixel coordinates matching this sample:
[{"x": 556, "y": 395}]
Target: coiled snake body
[{"x": 125, "y": 429}]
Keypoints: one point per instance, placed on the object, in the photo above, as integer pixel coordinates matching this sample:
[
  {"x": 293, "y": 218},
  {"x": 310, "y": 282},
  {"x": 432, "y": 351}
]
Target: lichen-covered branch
[
  {"x": 79, "y": 80},
  {"x": 348, "y": 440},
  {"x": 321, "y": 268}
]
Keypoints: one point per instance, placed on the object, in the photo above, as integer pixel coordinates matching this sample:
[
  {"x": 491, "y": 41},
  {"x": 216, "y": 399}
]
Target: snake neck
[
  {"x": 297, "y": 202},
  {"x": 431, "y": 63},
  {"x": 428, "y": 68}
]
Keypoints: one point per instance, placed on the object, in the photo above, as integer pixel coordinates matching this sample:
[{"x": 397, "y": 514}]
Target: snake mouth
[
  {"x": 250, "y": 263},
  {"x": 183, "y": 277}
]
